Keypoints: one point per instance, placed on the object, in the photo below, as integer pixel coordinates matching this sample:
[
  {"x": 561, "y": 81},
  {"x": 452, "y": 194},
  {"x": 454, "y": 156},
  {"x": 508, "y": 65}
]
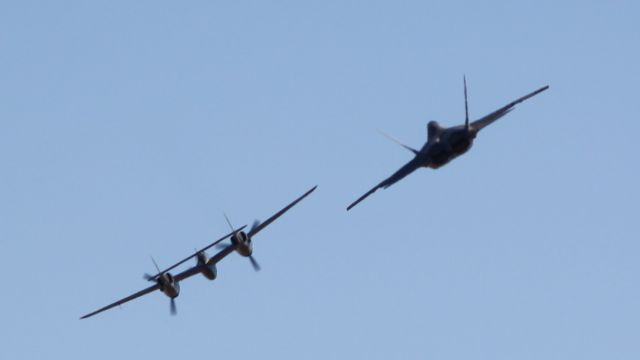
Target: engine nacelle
[
  {"x": 243, "y": 243},
  {"x": 168, "y": 285},
  {"x": 240, "y": 238}
]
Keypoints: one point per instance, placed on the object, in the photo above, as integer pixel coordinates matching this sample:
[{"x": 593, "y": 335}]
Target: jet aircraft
[
  {"x": 169, "y": 284},
  {"x": 445, "y": 144}
]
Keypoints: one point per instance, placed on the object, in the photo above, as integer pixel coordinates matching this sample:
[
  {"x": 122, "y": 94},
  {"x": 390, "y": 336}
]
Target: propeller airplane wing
[
  {"x": 257, "y": 227},
  {"x": 151, "y": 278},
  {"x": 124, "y": 300},
  {"x": 181, "y": 276},
  {"x": 213, "y": 260}
]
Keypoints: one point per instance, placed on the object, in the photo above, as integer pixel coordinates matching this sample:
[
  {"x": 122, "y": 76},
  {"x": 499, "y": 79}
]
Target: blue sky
[{"x": 128, "y": 129}]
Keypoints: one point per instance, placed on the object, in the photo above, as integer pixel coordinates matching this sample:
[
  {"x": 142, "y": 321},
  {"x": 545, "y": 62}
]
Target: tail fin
[{"x": 466, "y": 105}]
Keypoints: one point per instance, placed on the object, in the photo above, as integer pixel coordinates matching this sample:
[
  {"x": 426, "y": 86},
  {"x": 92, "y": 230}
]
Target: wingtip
[
  {"x": 353, "y": 204},
  {"x": 362, "y": 198},
  {"x": 308, "y": 192},
  {"x": 542, "y": 89}
]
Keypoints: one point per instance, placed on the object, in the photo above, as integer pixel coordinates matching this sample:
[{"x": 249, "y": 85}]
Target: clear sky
[{"x": 127, "y": 129}]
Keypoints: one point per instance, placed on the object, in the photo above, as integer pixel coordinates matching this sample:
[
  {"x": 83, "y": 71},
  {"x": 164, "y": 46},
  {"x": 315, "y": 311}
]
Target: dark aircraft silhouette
[
  {"x": 169, "y": 284},
  {"x": 445, "y": 144},
  {"x": 242, "y": 243}
]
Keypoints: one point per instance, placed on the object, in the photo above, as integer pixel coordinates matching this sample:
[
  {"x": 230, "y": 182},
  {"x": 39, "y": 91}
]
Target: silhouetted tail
[{"x": 466, "y": 105}]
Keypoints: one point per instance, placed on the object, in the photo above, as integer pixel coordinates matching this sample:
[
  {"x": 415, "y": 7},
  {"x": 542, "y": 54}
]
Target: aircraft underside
[{"x": 444, "y": 154}]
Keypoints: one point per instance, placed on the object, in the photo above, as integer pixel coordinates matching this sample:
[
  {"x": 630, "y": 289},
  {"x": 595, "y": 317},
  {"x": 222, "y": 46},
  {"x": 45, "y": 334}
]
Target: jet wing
[
  {"x": 407, "y": 169},
  {"x": 122, "y": 301},
  {"x": 488, "y": 119},
  {"x": 152, "y": 278},
  {"x": 264, "y": 224}
]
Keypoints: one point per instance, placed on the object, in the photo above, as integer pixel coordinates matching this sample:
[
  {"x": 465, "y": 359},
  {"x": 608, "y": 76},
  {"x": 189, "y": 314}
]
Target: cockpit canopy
[{"x": 433, "y": 130}]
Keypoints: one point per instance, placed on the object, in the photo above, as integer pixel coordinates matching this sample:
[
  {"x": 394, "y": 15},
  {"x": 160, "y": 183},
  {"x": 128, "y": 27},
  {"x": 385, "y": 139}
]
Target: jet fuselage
[{"x": 446, "y": 146}]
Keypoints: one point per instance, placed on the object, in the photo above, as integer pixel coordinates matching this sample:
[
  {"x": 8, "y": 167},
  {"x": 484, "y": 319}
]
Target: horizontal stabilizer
[{"x": 398, "y": 142}]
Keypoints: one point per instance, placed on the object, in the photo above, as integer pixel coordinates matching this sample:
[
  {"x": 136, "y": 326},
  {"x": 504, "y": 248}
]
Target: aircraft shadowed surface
[
  {"x": 169, "y": 284},
  {"x": 445, "y": 144},
  {"x": 242, "y": 242}
]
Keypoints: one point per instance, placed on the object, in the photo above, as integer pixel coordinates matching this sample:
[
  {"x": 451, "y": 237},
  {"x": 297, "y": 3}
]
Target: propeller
[
  {"x": 228, "y": 221},
  {"x": 174, "y": 309},
  {"x": 221, "y": 246},
  {"x": 254, "y": 263},
  {"x": 148, "y": 277},
  {"x": 255, "y": 224}
]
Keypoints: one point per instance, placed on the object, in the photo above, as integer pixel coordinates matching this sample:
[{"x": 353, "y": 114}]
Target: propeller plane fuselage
[{"x": 207, "y": 267}]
